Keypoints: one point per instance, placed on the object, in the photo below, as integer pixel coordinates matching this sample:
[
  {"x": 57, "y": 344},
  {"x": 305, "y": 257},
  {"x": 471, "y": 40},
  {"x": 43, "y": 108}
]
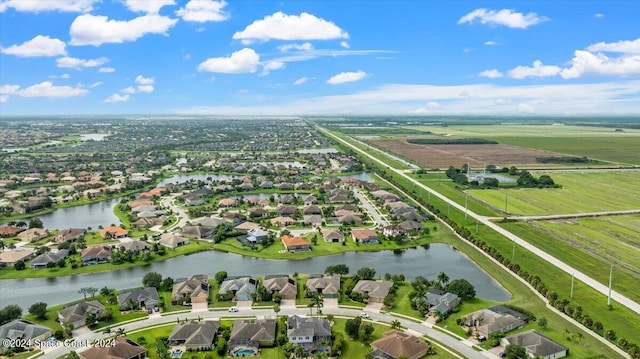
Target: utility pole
[
  {"x": 610, "y": 284},
  {"x": 571, "y": 295}
]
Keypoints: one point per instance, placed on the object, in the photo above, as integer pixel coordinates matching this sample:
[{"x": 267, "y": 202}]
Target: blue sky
[{"x": 319, "y": 57}]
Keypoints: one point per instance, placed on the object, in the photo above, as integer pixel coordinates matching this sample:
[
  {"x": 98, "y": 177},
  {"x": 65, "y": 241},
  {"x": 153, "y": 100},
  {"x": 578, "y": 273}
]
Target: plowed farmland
[{"x": 442, "y": 156}]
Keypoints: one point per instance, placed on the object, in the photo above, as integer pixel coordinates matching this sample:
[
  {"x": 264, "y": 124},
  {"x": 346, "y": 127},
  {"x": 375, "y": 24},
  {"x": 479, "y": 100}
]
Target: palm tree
[
  {"x": 443, "y": 279},
  {"x": 396, "y": 324},
  {"x": 276, "y": 309},
  {"x": 318, "y": 302},
  {"x": 120, "y": 333}
]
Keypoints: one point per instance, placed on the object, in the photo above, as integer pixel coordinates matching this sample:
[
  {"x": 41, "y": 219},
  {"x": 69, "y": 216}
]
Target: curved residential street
[
  {"x": 83, "y": 340},
  {"x": 626, "y": 301}
]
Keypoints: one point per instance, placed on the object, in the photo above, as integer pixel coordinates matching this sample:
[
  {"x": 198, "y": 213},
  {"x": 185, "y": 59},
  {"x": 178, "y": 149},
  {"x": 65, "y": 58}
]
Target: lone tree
[
  {"x": 340, "y": 269},
  {"x": 462, "y": 288},
  {"x": 152, "y": 279},
  {"x": 39, "y": 309},
  {"x": 9, "y": 313},
  {"x": 515, "y": 352},
  {"x": 366, "y": 273},
  {"x": 221, "y": 276}
]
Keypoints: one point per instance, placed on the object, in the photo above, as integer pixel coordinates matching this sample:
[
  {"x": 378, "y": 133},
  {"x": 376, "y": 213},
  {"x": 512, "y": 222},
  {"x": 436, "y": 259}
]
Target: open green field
[
  {"x": 600, "y": 143},
  {"x": 580, "y": 193}
]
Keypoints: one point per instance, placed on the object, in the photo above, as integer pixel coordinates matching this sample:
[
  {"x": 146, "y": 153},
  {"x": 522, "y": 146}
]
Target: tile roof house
[
  {"x": 328, "y": 287},
  {"x": 364, "y": 235},
  {"x": 242, "y": 288},
  {"x": 282, "y": 221},
  {"x": 113, "y": 232},
  {"x": 333, "y": 235},
  {"x": 309, "y": 332},
  {"x": 198, "y": 232},
  {"x": 376, "y": 290},
  {"x": 536, "y": 345},
  {"x": 96, "y": 254},
  {"x": 396, "y": 344},
  {"x": 440, "y": 301},
  {"x": 10, "y": 231},
  {"x": 172, "y": 240},
  {"x": 314, "y": 220},
  {"x": 10, "y": 257},
  {"x": 194, "y": 289},
  {"x": 253, "y": 334},
  {"x": 284, "y": 285},
  {"x": 194, "y": 335},
  {"x": 295, "y": 244},
  {"x": 494, "y": 320},
  {"x": 45, "y": 258},
  {"x": 135, "y": 246},
  {"x": 70, "y": 234},
  {"x": 122, "y": 348},
  {"x": 32, "y": 234},
  {"x": 23, "y": 329},
  {"x": 140, "y": 297},
  {"x": 76, "y": 314}
]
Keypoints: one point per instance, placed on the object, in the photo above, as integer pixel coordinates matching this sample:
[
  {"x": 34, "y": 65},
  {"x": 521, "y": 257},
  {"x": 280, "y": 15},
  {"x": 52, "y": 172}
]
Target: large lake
[{"x": 414, "y": 262}]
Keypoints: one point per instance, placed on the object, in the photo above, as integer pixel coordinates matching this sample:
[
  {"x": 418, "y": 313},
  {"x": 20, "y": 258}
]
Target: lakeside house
[
  {"x": 364, "y": 235},
  {"x": 23, "y": 329},
  {"x": 11, "y": 257},
  {"x": 328, "y": 287},
  {"x": 536, "y": 345},
  {"x": 240, "y": 288},
  {"x": 32, "y": 235},
  {"x": 284, "y": 285},
  {"x": 140, "y": 297},
  {"x": 112, "y": 232},
  {"x": 376, "y": 291},
  {"x": 194, "y": 289},
  {"x": 172, "y": 240},
  {"x": 96, "y": 254},
  {"x": 76, "y": 314},
  {"x": 295, "y": 244},
  {"x": 44, "y": 260},
  {"x": 440, "y": 302},
  {"x": 497, "y": 319}
]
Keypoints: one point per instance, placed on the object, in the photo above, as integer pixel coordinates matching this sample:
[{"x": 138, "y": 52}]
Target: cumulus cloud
[
  {"x": 146, "y": 6},
  {"x": 491, "y": 43},
  {"x": 43, "y": 89},
  {"x": 492, "y": 74},
  {"x": 116, "y": 97},
  {"x": 538, "y": 70},
  {"x": 623, "y": 46},
  {"x": 504, "y": 17},
  {"x": 48, "y": 5},
  {"x": 272, "y": 65},
  {"x": 203, "y": 11},
  {"x": 37, "y": 47},
  {"x": 145, "y": 84},
  {"x": 128, "y": 90},
  {"x": 281, "y": 26},
  {"x": 598, "y": 15},
  {"x": 587, "y": 63},
  {"x": 106, "y": 70},
  {"x": 242, "y": 61},
  {"x": 79, "y": 64},
  {"x": 96, "y": 30},
  {"x": 345, "y": 77},
  {"x": 9, "y": 89},
  {"x": 300, "y": 81},
  {"x": 301, "y": 47}
]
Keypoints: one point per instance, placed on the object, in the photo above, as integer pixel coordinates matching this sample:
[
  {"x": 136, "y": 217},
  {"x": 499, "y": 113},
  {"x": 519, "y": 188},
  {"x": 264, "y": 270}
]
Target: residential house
[
  {"x": 76, "y": 314},
  {"x": 138, "y": 298},
  {"x": 194, "y": 335},
  {"x": 349, "y": 219},
  {"x": 410, "y": 226},
  {"x": 311, "y": 210},
  {"x": 396, "y": 344},
  {"x": 284, "y": 285},
  {"x": 212, "y": 222},
  {"x": 135, "y": 246},
  {"x": 282, "y": 221},
  {"x": 376, "y": 291},
  {"x": 309, "y": 200},
  {"x": 286, "y": 210},
  {"x": 227, "y": 202},
  {"x": 193, "y": 199},
  {"x": 194, "y": 289},
  {"x": 10, "y": 257},
  {"x": 96, "y": 254},
  {"x": 122, "y": 348},
  {"x": 440, "y": 302},
  {"x": 24, "y": 330},
  {"x": 113, "y": 232},
  {"x": 328, "y": 287},
  {"x": 240, "y": 288},
  {"x": 252, "y": 334},
  {"x": 32, "y": 234},
  {"x": 148, "y": 222},
  {"x": 70, "y": 234},
  {"x": 497, "y": 319},
  {"x": 45, "y": 258},
  {"x": 257, "y": 235},
  {"x": 257, "y": 212},
  {"x": 295, "y": 244},
  {"x": 536, "y": 345},
  {"x": 314, "y": 220},
  {"x": 313, "y": 334},
  {"x": 172, "y": 240},
  {"x": 364, "y": 235},
  {"x": 198, "y": 232},
  {"x": 333, "y": 235},
  {"x": 246, "y": 226},
  {"x": 9, "y": 231}
]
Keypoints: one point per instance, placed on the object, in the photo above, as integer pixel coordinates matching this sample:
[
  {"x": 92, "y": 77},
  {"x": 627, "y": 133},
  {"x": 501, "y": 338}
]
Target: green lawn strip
[
  {"x": 27, "y": 354},
  {"x": 453, "y": 191},
  {"x": 591, "y": 255},
  {"x": 402, "y": 303}
]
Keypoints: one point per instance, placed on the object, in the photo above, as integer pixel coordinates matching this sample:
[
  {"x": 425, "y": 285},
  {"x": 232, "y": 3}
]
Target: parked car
[
  {"x": 233, "y": 309},
  {"x": 364, "y": 315},
  {"x": 156, "y": 309}
]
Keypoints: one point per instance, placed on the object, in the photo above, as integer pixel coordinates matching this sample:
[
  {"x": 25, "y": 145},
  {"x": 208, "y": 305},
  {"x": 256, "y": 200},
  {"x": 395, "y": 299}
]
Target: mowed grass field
[
  {"x": 580, "y": 193},
  {"x": 600, "y": 143}
]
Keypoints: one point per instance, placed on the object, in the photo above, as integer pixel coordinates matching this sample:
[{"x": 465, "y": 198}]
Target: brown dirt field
[{"x": 443, "y": 156}]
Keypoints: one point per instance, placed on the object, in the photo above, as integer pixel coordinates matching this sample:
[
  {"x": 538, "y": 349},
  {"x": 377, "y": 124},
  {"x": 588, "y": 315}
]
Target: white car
[
  {"x": 233, "y": 309},
  {"x": 365, "y": 315}
]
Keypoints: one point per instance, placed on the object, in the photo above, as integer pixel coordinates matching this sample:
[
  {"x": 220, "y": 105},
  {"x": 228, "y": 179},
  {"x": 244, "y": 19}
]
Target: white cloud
[
  {"x": 538, "y": 70},
  {"x": 344, "y": 44},
  {"x": 345, "y": 77},
  {"x": 586, "y": 63},
  {"x": 598, "y": 15},
  {"x": 242, "y": 61},
  {"x": 203, "y": 11},
  {"x": 36, "y": 47},
  {"x": 525, "y": 108},
  {"x": 504, "y": 17},
  {"x": 106, "y": 70},
  {"x": 502, "y": 101},
  {"x": 4, "y": 98},
  {"x": 148, "y": 6},
  {"x": 47, "y": 5},
  {"x": 116, "y": 97},
  {"x": 302, "y": 47},
  {"x": 78, "y": 64},
  {"x": 464, "y": 93},
  {"x": 300, "y": 81},
  {"x": 492, "y": 74},
  {"x": 281, "y": 26},
  {"x": 432, "y": 107},
  {"x": 47, "y": 89},
  {"x": 65, "y": 76},
  {"x": 128, "y": 90},
  {"x": 624, "y": 46},
  {"x": 96, "y": 30},
  {"x": 491, "y": 43},
  {"x": 145, "y": 84},
  {"x": 96, "y": 84},
  {"x": 9, "y": 89},
  {"x": 272, "y": 65}
]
